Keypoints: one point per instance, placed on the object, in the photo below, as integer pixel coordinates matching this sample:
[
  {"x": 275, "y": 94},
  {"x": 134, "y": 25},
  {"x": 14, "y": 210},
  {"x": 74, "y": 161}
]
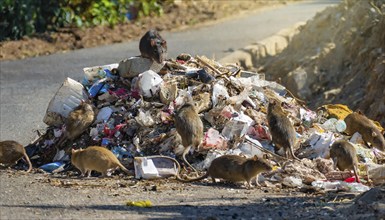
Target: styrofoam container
[{"x": 154, "y": 167}]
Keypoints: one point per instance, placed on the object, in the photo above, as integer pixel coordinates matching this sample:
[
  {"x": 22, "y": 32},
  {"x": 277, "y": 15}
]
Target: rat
[
  {"x": 282, "y": 131},
  {"x": 357, "y": 122},
  {"x": 153, "y": 46},
  {"x": 234, "y": 168},
  {"x": 96, "y": 158},
  {"x": 344, "y": 156},
  {"x": 77, "y": 122},
  {"x": 11, "y": 152},
  {"x": 190, "y": 128}
]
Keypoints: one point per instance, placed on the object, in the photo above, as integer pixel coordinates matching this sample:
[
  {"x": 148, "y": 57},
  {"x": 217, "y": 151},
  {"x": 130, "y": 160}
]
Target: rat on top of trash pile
[{"x": 230, "y": 122}]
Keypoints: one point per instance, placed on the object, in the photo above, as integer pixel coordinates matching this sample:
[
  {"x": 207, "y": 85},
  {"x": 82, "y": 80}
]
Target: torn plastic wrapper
[
  {"x": 258, "y": 81},
  {"x": 120, "y": 152},
  {"x": 307, "y": 117},
  {"x": 219, "y": 90},
  {"x": 152, "y": 168},
  {"x": 214, "y": 140},
  {"x": 241, "y": 98},
  {"x": 259, "y": 132},
  {"x": 97, "y": 72},
  {"x": 319, "y": 145},
  {"x": 249, "y": 150},
  {"x": 235, "y": 128},
  {"x": 228, "y": 111},
  {"x": 99, "y": 87},
  {"x": 104, "y": 114},
  {"x": 340, "y": 185},
  {"x": 334, "y": 125},
  {"x": 110, "y": 132},
  {"x": 145, "y": 118},
  {"x": 53, "y": 167},
  {"x": 105, "y": 142}
]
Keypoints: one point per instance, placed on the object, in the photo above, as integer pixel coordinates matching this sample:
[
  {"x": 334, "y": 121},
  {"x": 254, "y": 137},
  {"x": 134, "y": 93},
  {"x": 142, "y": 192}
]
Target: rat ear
[
  {"x": 265, "y": 156},
  {"x": 359, "y": 112},
  {"x": 255, "y": 158}
]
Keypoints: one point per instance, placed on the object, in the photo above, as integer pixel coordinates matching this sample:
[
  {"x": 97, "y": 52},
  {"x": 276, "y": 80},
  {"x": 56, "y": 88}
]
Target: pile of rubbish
[{"x": 134, "y": 102}]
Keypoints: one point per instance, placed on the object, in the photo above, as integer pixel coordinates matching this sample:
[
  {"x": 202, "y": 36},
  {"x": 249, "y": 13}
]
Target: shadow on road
[{"x": 284, "y": 207}]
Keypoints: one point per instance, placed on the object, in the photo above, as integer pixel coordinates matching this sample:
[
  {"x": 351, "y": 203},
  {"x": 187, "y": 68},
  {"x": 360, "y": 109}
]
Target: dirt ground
[
  {"x": 56, "y": 197},
  {"x": 176, "y": 16}
]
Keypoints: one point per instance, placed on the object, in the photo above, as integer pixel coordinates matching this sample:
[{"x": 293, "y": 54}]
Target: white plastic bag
[{"x": 68, "y": 97}]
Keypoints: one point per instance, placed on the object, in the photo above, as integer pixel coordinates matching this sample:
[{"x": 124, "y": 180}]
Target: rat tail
[
  {"x": 188, "y": 180},
  {"x": 28, "y": 161},
  {"x": 125, "y": 169},
  {"x": 355, "y": 174}
]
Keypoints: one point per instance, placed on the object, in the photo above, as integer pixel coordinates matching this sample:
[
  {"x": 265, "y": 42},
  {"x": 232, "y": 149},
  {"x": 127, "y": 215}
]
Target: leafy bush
[
  {"x": 101, "y": 12},
  {"x": 26, "y": 17},
  {"x": 145, "y": 7}
]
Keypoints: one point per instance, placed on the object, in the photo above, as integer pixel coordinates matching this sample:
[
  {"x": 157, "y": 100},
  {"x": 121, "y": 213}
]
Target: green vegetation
[{"x": 27, "y": 17}]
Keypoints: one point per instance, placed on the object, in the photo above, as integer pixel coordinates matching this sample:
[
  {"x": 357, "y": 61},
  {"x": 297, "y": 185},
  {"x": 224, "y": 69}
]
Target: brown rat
[
  {"x": 96, "y": 158},
  {"x": 190, "y": 127},
  {"x": 344, "y": 156},
  {"x": 77, "y": 122},
  {"x": 234, "y": 168},
  {"x": 11, "y": 152},
  {"x": 357, "y": 122},
  {"x": 282, "y": 131},
  {"x": 153, "y": 46}
]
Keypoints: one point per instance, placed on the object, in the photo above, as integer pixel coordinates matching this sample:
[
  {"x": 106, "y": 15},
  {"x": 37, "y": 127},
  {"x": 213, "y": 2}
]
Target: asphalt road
[{"x": 26, "y": 86}]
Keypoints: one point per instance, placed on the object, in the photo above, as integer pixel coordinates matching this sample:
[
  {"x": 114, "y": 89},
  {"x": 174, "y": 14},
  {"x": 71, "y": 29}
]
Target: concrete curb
[{"x": 248, "y": 57}]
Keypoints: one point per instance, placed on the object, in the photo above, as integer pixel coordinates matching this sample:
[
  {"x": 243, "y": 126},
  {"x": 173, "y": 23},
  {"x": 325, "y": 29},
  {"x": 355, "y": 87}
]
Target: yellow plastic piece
[
  {"x": 338, "y": 111},
  {"x": 275, "y": 168},
  {"x": 142, "y": 203}
]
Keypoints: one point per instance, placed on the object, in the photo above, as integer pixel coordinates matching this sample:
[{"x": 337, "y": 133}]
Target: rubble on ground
[{"x": 134, "y": 119}]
